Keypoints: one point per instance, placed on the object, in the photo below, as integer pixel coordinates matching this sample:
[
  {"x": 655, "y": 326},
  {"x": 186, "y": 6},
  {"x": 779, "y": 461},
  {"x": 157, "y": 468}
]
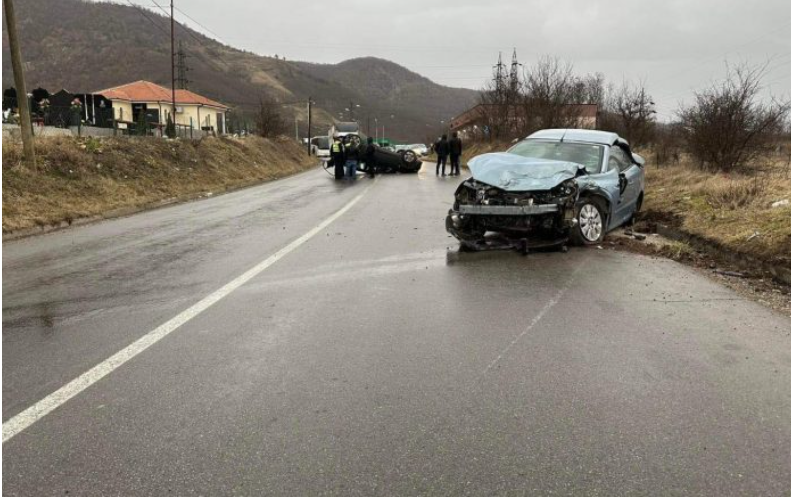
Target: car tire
[
  {"x": 591, "y": 225},
  {"x": 409, "y": 157}
]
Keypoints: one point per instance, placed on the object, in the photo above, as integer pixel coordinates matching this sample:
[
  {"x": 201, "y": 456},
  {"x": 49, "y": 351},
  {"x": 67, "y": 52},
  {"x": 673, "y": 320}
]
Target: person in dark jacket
[
  {"x": 338, "y": 157},
  {"x": 442, "y": 149},
  {"x": 352, "y": 158},
  {"x": 370, "y": 158},
  {"x": 454, "y": 147}
]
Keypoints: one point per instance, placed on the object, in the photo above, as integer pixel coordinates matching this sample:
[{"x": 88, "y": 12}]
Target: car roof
[{"x": 578, "y": 135}]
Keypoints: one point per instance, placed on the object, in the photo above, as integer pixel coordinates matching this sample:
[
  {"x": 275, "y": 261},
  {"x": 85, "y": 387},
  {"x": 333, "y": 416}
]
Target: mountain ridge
[{"x": 63, "y": 48}]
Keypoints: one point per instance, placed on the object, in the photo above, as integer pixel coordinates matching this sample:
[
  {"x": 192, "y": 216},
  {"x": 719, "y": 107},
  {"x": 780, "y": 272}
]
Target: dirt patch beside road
[{"x": 77, "y": 178}]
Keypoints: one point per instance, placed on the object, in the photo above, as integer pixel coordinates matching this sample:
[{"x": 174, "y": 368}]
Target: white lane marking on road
[
  {"x": 549, "y": 305},
  {"x": 23, "y": 420}
]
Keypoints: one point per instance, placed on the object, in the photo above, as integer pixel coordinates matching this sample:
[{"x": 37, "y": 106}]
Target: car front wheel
[{"x": 591, "y": 223}]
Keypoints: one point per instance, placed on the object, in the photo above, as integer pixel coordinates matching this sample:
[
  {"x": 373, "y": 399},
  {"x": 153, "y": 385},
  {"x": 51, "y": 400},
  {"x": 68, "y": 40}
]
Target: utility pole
[
  {"x": 499, "y": 76},
  {"x": 310, "y": 110},
  {"x": 513, "y": 77},
  {"x": 26, "y": 123},
  {"x": 173, "y": 64}
]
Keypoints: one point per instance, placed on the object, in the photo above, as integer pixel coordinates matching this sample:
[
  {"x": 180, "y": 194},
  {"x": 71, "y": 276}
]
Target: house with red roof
[{"x": 192, "y": 111}]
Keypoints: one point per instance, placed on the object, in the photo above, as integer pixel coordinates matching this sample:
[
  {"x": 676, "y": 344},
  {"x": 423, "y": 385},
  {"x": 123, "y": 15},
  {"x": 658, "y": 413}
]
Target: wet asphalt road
[{"x": 362, "y": 364}]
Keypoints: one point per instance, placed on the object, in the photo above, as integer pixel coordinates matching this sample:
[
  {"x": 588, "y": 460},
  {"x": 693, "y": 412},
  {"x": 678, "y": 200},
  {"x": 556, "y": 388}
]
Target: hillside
[
  {"x": 86, "y": 46},
  {"x": 392, "y": 87}
]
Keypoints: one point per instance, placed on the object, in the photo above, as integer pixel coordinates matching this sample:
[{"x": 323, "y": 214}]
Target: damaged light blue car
[{"x": 555, "y": 187}]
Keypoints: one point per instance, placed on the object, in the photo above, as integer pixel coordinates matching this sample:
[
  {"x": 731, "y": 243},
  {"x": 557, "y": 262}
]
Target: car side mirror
[{"x": 638, "y": 159}]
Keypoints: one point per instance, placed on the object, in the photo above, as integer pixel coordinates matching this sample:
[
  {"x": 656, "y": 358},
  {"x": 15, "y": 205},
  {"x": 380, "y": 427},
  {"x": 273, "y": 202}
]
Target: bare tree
[
  {"x": 667, "y": 144},
  {"x": 494, "y": 109},
  {"x": 729, "y": 124},
  {"x": 549, "y": 89},
  {"x": 629, "y": 111},
  {"x": 269, "y": 120},
  {"x": 589, "y": 89}
]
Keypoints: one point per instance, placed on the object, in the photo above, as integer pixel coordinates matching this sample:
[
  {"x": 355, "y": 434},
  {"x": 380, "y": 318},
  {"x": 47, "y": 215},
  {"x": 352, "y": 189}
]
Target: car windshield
[
  {"x": 587, "y": 154},
  {"x": 322, "y": 142}
]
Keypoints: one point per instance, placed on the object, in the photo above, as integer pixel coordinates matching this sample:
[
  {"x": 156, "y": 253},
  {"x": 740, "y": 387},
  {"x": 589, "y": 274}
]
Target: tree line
[{"x": 726, "y": 125}]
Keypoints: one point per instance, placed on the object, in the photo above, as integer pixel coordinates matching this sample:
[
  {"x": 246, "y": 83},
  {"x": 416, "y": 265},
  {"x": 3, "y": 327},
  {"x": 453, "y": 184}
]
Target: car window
[
  {"x": 587, "y": 154},
  {"x": 618, "y": 159}
]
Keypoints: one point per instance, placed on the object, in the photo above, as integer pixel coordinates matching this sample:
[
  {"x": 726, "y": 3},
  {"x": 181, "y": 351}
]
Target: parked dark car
[{"x": 554, "y": 187}]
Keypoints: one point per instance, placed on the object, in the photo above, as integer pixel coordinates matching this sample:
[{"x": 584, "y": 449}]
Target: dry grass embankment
[
  {"x": 88, "y": 177},
  {"x": 733, "y": 210}
]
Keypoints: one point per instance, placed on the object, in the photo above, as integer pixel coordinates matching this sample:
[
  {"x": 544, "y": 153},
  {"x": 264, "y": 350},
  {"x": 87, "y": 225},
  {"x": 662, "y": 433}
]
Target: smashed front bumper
[
  {"x": 485, "y": 218},
  {"x": 507, "y": 210}
]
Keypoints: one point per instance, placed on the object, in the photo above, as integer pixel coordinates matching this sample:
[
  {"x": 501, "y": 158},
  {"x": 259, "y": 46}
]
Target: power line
[
  {"x": 142, "y": 12},
  {"x": 201, "y": 25},
  {"x": 218, "y": 37},
  {"x": 181, "y": 25}
]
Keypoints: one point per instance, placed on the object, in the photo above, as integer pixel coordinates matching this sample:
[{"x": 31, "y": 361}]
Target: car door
[{"x": 629, "y": 182}]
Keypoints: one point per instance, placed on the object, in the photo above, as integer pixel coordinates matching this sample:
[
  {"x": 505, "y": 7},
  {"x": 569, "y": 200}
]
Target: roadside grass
[
  {"x": 85, "y": 177},
  {"x": 734, "y": 210}
]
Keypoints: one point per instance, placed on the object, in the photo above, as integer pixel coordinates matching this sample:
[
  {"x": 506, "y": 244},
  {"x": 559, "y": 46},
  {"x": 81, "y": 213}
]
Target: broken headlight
[{"x": 565, "y": 189}]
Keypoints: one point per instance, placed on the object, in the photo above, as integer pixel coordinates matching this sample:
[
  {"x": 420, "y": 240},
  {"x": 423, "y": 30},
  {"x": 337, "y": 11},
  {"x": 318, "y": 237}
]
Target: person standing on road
[
  {"x": 370, "y": 158},
  {"x": 454, "y": 147},
  {"x": 352, "y": 158},
  {"x": 338, "y": 156},
  {"x": 442, "y": 149}
]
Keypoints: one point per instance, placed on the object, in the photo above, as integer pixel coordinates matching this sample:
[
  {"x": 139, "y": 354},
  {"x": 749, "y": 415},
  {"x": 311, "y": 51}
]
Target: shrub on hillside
[{"x": 729, "y": 124}]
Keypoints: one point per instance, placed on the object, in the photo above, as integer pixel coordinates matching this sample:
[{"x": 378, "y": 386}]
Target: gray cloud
[{"x": 674, "y": 46}]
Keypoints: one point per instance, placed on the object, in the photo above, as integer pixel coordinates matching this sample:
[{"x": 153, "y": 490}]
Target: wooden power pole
[
  {"x": 19, "y": 81},
  {"x": 173, "y": 66},
  {"x": 310, "y": 111}
]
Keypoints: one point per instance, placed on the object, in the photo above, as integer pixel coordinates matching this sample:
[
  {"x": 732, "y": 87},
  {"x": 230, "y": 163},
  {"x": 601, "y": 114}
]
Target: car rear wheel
[
  {"x": 409, "y": 157},
  {"x": 591, "y": 223}
]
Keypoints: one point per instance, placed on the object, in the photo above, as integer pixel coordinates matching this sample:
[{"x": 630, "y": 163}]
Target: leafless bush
[
  {"x": 667, "y": 144},
  {"x": 629, "y": 111},
  {"x": 728, "y": 125},
  {"x": 269, "y": 120}
]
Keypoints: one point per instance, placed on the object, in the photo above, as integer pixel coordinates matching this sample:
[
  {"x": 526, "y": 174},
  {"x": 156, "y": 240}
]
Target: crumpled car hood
[{"x": 515, "y": 173}]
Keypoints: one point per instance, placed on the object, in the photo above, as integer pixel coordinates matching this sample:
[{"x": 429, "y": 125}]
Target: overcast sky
[{"x": 672, "y": 45}]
